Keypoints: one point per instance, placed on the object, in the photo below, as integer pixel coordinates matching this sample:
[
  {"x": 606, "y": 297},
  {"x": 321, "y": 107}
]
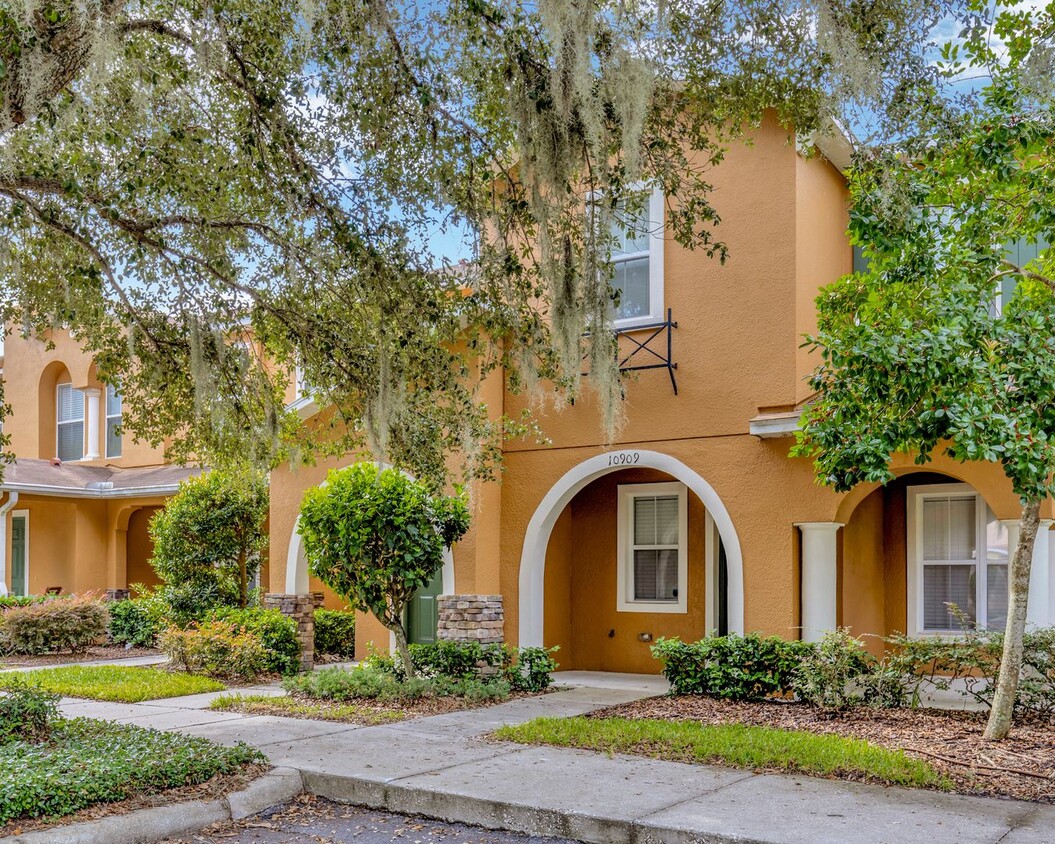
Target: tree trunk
[
  {"x": 404, "y": 650},
  {"x": 243, "y": 585},
  {"x": 1018, "y": 597}
]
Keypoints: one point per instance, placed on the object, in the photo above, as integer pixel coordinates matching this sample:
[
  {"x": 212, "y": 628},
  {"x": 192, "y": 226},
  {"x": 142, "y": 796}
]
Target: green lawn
[
  {"x": 299, "y": 708},
  {"x": 126, "y": 683},
  {"x": 87, "y": 761},
  {"x": 737, "y": 745}
]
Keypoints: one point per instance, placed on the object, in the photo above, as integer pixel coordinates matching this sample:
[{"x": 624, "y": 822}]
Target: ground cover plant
[
  {"x": 738, "y": 745},
  {"x": 126, "y": 683},
  {"x": 85, "y": 762}
]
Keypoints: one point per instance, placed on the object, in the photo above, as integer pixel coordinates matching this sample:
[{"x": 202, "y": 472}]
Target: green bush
[
  {"x": 136, "y": 621},
  {"x": 277, "y": 633},
  {"x": 457, "y": 660},
  {"x": 335, "y": 633},
  {"x": 8, "y": 601},
  {"x": 88, "y": 761},
  {"x": 732, "y": 667},
  {"x": 829, "y": 675},
  {"x": 372, "y": 683},
  {"x": 26, "y": 712},
  {"x": 532, "y": 671},
  {"x": 65, "y": 625},
  {"x": 217, "y": 649}
]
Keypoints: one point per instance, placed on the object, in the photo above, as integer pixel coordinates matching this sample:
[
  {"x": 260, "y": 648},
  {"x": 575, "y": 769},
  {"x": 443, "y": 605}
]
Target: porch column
[
  {"x": 1038, "y": 608},
  {"x": 1038, "y": 612},
  {"x": 819, "y": 578},
  {"x": 92, "y": 451}
]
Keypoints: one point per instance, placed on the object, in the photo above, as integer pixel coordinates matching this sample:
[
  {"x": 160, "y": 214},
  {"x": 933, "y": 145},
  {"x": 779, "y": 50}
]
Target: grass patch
[
  {"x": 738, "y": 745},
  {"x": 86, "y": 761},
  {"x": 126, "y": 683},
  {"x": 292, "y": 707}
]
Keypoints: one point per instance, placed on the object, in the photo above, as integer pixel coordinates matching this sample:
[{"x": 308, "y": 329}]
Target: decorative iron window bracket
[{"x": 643, "y": 355}]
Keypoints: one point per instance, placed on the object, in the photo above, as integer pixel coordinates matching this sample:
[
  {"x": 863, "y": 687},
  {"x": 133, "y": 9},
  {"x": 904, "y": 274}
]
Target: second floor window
[
  {"x": 69, "y": 416},
  {"x": 113, "y": 421},
  {"x": 637, "y": 262}
]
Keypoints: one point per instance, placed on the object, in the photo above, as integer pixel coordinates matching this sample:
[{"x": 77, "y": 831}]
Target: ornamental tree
[
  {"x": 945, "y": 343},
  {"x": 209, "y": 538},
  {"x": 177, "y": 175},
  {"x": 376, "y": 536}
]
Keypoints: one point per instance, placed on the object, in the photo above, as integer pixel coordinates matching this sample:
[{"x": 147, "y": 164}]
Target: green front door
[
  {"x": 19, "y": 586},
  {"x": 423, "y": 614}
]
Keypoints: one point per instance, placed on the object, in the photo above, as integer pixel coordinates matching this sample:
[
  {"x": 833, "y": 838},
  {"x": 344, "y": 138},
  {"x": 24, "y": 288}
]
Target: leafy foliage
[
  {"x": 136, "y": 621},
  {"x": 8, "y": 601},
  {"x": 216, "y": 649},
  {"x": 830, "y": 674},
  {"x": 126, "y": 683},
  {"x": 208, "y": 540},
  {"x": 277, "y": 634},
  {"x": 177, "y": 170},
  {"x": 88, "y": 761},
  {"x": 371, "y": 683},
  {"x": 376, "y": 537},
  {"x": 335, "y": 633},
  {"x": 65, "y": 625},
  {"x": 732, "y": 667},
  {"x": 26, "y": 712},
  {"x": 532, "y": 669}
]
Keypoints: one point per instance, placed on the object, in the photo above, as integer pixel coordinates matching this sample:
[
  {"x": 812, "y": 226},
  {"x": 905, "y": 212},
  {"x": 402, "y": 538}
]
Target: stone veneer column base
[
  {"x": 301, "y": 608},
  {"x": 471, "y": 618}
]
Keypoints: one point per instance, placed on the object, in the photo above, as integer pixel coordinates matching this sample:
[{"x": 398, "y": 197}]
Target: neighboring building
[
  {"x": 77, "y": 501},
  {"x": 697, "y": 520}
]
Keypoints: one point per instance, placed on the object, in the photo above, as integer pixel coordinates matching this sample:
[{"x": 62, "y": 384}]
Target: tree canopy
[
  {"x": 945, "y": 342},
  {"x": 180, "y": 175}
]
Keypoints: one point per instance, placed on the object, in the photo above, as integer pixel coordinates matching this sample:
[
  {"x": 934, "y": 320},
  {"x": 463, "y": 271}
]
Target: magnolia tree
[
  {"x": 180, "y": 176},
  {"x": 946, "y": 342},
  {"x": 209, "y": 539},
  {"x": 376, "y": 536}
]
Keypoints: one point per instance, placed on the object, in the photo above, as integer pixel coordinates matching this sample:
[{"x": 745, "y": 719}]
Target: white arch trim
[
  {"x": 537, "y": 536},
  {"x": 297, "y": 562}
]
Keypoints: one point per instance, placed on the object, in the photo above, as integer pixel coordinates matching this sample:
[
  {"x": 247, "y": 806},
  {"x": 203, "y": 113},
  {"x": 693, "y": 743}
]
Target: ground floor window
[
  {"x": 653, "y": 564},
  {"x": 958, "y": 555}
]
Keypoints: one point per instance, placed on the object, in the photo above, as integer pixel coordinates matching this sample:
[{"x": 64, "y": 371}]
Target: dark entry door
[
  {"x": 423, "y": 613},
  {"x": 723, "y": 590},
  {"x": 19, "y": 586}
]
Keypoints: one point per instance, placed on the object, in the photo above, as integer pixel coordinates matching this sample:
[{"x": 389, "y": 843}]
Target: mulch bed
[
  {"x": 91, "y": 654},
  {"x": 211, "y": 789},
  {"x": 1021, "y": 767}
]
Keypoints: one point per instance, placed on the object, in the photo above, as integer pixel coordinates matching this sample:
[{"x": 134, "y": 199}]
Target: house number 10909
[{"x": 624, "y": 458}]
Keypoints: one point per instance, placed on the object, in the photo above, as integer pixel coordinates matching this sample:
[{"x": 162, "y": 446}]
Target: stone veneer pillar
[
  {"x": 301, "y": 608},
  {"x": 471, "y": 618}
]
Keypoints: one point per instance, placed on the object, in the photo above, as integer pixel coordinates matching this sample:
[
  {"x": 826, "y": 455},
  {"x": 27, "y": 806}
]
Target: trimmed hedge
[
  {"x": 59, "y": 626},
  {"x": 732, "y": 667},
  {"x": 136, "y": 621},
  {"x": 335, "y": 633}
]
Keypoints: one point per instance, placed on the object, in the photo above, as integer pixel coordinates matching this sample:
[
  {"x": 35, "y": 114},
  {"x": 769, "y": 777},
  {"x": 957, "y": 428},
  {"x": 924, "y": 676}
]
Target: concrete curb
[{"x": 278, "y": 785}]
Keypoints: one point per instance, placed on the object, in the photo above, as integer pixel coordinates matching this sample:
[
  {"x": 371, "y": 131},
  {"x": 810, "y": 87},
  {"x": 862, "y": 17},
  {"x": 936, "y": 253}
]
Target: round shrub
[
  {"x": 64, "y": 625},
  {"x": 276, "y": 632},
  {"x": 217, "y": 649},
  {"x": 136, "y": 622}
]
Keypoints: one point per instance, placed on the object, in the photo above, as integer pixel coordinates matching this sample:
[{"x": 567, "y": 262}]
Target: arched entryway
[
  {"x": 919, "y": 545},
  {"x": 634, "y": 465}
]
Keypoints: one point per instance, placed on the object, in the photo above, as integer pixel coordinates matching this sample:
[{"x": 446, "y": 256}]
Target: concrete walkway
[
  {"x": 444, "y": 767},
  {"x": 154, "y": 659}
]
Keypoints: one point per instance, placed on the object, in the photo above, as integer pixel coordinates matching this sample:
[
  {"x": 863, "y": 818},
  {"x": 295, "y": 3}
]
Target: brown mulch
[
  {"x": 1022, "y": 766},
  {"x": 95, "y": 652},
  {"x": 212, "y": 789}
]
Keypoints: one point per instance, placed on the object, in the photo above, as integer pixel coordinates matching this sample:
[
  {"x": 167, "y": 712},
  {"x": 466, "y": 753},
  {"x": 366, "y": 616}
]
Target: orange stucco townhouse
[
  {"x": 77, "y": 501},
  {"x": 697, "y": 520}
]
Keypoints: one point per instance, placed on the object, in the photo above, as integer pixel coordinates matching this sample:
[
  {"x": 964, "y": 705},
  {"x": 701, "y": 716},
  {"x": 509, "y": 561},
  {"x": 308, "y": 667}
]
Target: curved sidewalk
[{"x": 444, "y": 767}]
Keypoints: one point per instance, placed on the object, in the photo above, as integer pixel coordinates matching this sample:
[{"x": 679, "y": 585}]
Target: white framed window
[
  {"x": 637, "y": 262},
  {"x": 113, "y": 421},
  {"x": 957, "y": 554},
  {"x": 69, "y": 422},
  {"x": 652, "y": 574}
]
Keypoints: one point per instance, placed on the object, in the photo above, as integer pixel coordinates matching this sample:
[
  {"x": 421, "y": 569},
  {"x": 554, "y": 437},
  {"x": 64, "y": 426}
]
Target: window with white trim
[
  {"x": 113, "y": 421},
  {"x": 637, "y": 262},
  {"x": 958, "y": 556},
  {"x": 652, "y": 540},
  {"x": 69, "y": 422}
]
